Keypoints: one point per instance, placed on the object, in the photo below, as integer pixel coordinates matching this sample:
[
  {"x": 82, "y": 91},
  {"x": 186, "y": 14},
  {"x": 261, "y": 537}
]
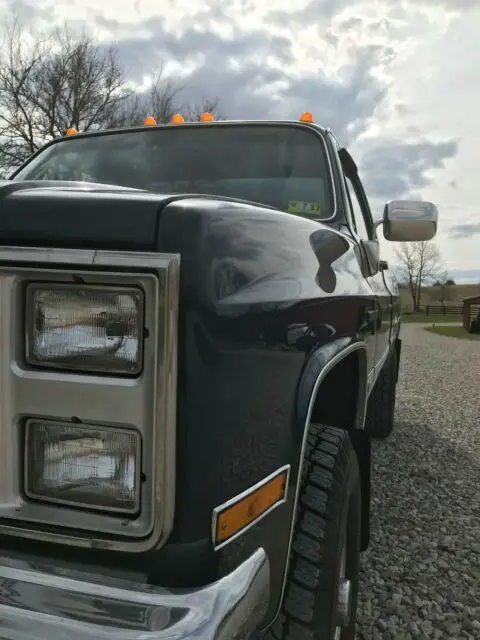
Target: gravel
[{"x": 421, "y": 574}]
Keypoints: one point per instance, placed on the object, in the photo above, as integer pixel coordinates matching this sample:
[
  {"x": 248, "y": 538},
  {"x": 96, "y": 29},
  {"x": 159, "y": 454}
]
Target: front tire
[{"x": 320, "y": 599}]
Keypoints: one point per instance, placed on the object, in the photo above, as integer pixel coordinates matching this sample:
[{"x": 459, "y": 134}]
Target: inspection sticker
[{"x": 304, "y": 208}]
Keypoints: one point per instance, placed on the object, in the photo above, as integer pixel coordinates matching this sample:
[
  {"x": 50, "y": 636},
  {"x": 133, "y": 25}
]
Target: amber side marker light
[{"x": 240, "y": 513}]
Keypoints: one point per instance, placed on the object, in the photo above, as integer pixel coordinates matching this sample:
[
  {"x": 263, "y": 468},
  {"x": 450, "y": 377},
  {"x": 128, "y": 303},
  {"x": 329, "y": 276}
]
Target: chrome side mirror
[{"x": 409, "y": 221}]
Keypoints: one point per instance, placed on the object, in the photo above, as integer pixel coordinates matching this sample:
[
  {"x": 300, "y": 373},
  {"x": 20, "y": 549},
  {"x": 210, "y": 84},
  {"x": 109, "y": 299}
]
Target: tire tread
[{"x": 326, "y": 461}]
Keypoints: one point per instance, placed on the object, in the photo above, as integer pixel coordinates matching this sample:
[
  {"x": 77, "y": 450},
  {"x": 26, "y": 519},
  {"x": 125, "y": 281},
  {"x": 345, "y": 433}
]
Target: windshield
[{"x": 277, "y": 165}]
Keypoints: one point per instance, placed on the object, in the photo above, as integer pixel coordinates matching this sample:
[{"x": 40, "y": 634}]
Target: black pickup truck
[{"x": 198, "y": 340}]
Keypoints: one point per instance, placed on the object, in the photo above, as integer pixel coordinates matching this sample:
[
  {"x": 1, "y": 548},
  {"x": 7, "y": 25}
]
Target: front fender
[{"x": 269, "y": 304}]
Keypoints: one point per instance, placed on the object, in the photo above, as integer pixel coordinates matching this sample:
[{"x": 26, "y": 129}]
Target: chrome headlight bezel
[
  {"x": 146, "y": 402},
  {"x": 69, "y": 365},
  {"x": 31, "y": 423}
]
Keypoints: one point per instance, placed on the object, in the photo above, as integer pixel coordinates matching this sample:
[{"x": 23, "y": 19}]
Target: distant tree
[
  {"x": 418, "y": 265},
  {"x": 443, "y": 286},
  {"x": 195, "y": 110},
  {"x": 161, "y": 101},
  {"x": 50, "y": 82},
  {"x": 158, "y": 101}
]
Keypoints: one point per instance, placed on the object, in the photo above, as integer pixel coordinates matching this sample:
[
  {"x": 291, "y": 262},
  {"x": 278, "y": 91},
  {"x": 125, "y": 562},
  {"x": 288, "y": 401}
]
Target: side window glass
[{"x": 357, "y": 212}]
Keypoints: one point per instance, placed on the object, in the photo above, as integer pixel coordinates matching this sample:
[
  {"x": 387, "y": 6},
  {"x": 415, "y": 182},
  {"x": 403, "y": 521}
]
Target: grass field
[
  {"x": 453, "y": 332},
  {"x": 422, "y": 317}
]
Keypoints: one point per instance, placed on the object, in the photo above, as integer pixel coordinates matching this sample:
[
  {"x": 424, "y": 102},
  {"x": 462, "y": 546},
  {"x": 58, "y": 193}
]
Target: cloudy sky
[{"x": 397, "y": 81}]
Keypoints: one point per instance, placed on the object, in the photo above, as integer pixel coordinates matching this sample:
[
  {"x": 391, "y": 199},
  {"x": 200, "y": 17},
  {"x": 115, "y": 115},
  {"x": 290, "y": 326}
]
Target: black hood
[
  {"x": 78, "y": 215},
  {"x": 85, "y": 215}
]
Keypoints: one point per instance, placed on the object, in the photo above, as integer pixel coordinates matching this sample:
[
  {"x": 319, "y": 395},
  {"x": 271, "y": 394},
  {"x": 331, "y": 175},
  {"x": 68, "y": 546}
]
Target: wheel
[
  {"x": 320, "y": 599},
  {"x": 380, "y": 415}
]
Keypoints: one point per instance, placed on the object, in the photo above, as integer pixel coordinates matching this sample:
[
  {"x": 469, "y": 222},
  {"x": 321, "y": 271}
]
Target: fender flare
[
  {"x": 320, "y": 363},
  {"x": 318, "y": 366}
]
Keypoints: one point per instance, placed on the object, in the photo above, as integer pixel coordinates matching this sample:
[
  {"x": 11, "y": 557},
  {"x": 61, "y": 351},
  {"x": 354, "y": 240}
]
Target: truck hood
[
  {"x": 234, "y": 252},
  {"x": 79, "y": 215},
  {"x": 85, "y": 215}
]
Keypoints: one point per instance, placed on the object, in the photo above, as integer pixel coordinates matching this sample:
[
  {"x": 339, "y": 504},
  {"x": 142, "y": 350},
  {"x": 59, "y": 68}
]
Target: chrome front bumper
[{"x": 45, "y": 603}]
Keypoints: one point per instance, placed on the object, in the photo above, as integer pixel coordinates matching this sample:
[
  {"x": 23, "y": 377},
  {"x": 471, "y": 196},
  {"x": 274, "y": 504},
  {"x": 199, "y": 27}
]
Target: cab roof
[{"x": 177, "y": 120}]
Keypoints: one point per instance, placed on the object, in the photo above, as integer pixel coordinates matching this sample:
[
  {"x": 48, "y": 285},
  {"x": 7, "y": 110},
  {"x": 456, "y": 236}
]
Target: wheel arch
[
  {"x": 332, "y": 360},
  {"x": 339, "y": 365}
]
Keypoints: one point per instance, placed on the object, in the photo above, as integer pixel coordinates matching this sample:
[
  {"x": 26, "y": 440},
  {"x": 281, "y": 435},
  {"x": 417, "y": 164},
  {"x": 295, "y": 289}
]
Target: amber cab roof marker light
[
  {"x": 71, "y": 131},
  {"x": 306, "y": 117},
  {"x": 177, "y": 118},
  {"x": 149, "y": 121},
  {"x": 206, "y": 117}
]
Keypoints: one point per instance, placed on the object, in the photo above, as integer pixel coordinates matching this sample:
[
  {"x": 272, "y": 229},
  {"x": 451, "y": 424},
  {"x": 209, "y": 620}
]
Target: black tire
[
  {"x": 380, "y": 416},
  {"x": 329, "y": 514}
]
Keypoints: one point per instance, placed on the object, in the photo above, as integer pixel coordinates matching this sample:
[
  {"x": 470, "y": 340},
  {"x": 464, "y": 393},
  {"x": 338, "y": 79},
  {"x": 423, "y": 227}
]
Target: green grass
[
  {"x": 453, "y": 332},
  {"x": 423, "y": 318}
]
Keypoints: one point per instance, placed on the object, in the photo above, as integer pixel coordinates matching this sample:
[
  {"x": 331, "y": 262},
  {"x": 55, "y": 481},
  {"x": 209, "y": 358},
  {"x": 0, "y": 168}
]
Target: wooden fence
[
  {"x": 452, "y": 311},
  {"x": 443, "y": 310}
]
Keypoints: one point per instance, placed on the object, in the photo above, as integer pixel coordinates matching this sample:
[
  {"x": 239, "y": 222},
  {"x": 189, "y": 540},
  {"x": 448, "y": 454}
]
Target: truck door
[
  {"x": 378, "y": 280},
  {"x": 381, "y": 299},
  {"x": 362, "y": 230}
]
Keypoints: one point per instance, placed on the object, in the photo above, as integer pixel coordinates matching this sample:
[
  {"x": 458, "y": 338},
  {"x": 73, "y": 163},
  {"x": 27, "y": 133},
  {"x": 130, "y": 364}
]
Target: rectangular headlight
[
  {"x": 83, "y": 465},
  {"x": 85, "y": 327}
]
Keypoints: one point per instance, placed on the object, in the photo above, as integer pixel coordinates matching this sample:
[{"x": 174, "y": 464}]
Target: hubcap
[{"x": 344, "y": 595}]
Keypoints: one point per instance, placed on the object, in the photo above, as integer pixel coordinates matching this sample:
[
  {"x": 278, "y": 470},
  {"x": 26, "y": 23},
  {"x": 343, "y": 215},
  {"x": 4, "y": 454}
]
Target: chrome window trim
[
  {"x": 244, "y": 494},
  {"x": 166, "y": 268}
]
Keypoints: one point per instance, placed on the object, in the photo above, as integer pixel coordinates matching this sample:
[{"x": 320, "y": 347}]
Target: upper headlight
[{"x": 85, "y": 327}]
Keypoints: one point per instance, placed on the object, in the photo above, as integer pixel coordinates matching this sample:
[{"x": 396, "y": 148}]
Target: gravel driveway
[{"x": 421, "y": 575}]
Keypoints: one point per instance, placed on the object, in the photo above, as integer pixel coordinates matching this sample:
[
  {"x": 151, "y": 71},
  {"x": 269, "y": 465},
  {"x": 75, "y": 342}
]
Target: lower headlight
[
  {"x": 85, "y": 327},
  {"x": 83, "y": 465}
]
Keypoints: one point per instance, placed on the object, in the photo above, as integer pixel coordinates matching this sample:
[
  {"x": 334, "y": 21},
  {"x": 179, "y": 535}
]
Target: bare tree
[
  {"x": 160, "y": 100},
  {"x": 195, "y": 110},
  {"x": 419, "y": 264},
  {"x": 443, "y": 285},
  {"x": 58, "y": 80},
  {"x": 52, "y": 82}
]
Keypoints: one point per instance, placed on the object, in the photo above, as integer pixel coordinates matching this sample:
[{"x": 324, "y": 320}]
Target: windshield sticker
[{"x": 304, "y": 208}]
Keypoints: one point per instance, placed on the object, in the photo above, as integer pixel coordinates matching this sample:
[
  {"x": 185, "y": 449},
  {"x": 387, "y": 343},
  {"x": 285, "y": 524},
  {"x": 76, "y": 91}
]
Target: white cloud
[{"x": 398, "y": 81}]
